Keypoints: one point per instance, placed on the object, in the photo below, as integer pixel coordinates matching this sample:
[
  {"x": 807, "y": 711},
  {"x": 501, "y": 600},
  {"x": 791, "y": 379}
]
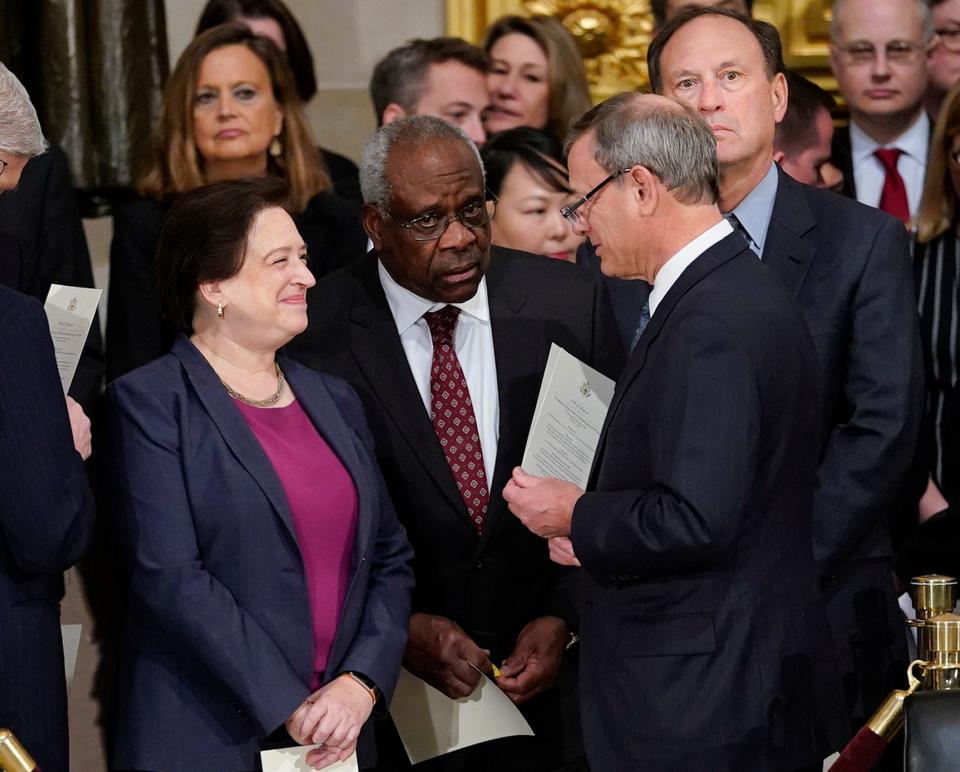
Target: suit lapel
[
  {"x": 520, "y": 355},
  {"x": 719, "y": 253},
  {"x": 234, "y": 429},
  {"x": 375, "y": 346},
  {"x": 786, "y": 250}
]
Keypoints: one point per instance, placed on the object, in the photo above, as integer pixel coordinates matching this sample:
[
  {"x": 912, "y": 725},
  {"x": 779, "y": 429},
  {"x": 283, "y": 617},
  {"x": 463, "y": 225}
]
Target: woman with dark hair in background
[
  {"x": 273, "y": 20},
  {"x": 531, "y": 187},
  {"x": 269, "y": 580},
  {"x": 536, "y": 77},
  {"x": 230, "y": 111}
]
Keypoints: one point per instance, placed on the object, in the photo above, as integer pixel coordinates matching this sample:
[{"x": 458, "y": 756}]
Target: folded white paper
[
  {"x": 571, "y": 407},
  {"x": 431, "y": 724},
  {"x": 295, "y": 760},
  {"x": 71, "y": 647},
  {"x": 70, "y": 311}
]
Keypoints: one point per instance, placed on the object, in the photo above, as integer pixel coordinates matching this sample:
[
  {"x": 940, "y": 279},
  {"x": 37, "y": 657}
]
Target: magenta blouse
[{"x": 323, "y": 501}]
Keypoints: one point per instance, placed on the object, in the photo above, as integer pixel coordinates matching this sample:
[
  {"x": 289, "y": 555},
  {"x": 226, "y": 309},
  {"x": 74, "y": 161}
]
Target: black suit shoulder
[
  {"x": 848, "y": 235},
  {"x": 344, "y": 175},
  {"x": 13, "y": 302},
  {"x": 332, "y": 228},
  {"x": 842, "y": 157},
  {"x": 136, "y": 332},
  {"x": 11, "y": 267}
]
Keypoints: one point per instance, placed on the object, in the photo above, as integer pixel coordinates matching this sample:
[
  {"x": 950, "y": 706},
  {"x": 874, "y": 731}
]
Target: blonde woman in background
[{"x": 537, "y": 77}]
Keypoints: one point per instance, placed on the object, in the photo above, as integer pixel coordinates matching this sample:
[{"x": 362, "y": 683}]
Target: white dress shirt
[
  {"x": 473, "y": 342},
  {"x": 670, "y": 271},
  {"x": 869, "y": 173}
]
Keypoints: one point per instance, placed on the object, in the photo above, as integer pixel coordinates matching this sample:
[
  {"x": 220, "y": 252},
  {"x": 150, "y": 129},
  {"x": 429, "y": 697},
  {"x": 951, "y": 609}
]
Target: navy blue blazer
[
  {"x": 848, "y": 266},
  {"x": 702, "y": 611},
  {"x": 46, "y": 516},
  {"x": 218, "y": 646}
]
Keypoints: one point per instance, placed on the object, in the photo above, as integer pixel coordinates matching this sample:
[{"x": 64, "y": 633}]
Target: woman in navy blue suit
[{"x": 270, "y": 581}]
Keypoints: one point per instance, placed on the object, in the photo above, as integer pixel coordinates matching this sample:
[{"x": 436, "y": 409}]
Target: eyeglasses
[
  {"x": 897, "y": 51},
  {"x": 431, "y": 226},
  {"x": 950, "y": 38},
  {"x": 570, "y": 212}
]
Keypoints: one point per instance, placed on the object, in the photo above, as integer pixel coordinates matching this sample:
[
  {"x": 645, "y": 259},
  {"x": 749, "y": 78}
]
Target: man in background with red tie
[
  {"x": 849, "y": 268},
  {"x": 878, "y": 53},
  {"x": 445, "y": 339}
]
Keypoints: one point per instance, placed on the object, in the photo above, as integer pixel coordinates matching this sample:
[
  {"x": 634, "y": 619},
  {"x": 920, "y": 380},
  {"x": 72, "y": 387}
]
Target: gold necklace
[{"x": 273, "y": 399}]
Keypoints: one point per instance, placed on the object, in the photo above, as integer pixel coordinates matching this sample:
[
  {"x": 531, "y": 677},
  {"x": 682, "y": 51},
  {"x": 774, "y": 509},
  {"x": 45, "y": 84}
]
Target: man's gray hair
[
  {"x": 20, "y": 132},
  {"x": 672, "y": 141},
  {"x": 415, "y": 129},
  {"x": 926, "y": 19}
]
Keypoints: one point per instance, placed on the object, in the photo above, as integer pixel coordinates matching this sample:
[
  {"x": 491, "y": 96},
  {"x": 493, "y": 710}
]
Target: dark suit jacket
[
  {"x": 218, "y": 644},
  {"x": 842, "y": 157},
  {"x": 137, "y": 331},
  {"x": 43, "y": 215},
  {"x": 848, "y": 266},
  {"x": 46, "y": 515},
  {"x": 11, "y": 267},
  {"x": 705, "y": 644},
  {"x": 343, "y": 174}
]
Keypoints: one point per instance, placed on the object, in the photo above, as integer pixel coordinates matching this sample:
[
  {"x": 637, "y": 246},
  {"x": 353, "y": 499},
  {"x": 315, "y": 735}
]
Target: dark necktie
[
  {"x": 451, "y": 412},
  {"x": 641, "y": 325},
  {"x": 893, "y": 196},
  {"x": 737, "y": 226}
]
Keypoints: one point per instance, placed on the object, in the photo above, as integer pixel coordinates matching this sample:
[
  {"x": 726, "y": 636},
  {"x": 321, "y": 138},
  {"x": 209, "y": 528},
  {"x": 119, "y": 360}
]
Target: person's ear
[
  {"x": 647, "y": 190},
  {"x": 780, "y": 94},
  {"x": 373, "y": 223},
  {"x": 211, "y": 294},
  {"x": 392, "y": 112},
  {"x": 778, "y": 156}
]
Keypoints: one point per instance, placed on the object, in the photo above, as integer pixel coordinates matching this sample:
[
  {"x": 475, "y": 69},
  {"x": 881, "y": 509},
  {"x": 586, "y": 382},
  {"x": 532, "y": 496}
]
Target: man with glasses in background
[
  {"x": 445, "y": 339},
  {"x": 943, "y": 62},
  {"x": 878, "y": 53}
]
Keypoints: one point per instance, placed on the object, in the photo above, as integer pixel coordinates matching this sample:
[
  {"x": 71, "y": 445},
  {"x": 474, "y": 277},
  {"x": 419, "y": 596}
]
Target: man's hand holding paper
[
  {"x": 543, "y": 504},
  {"x": 443, "y": 655},
  {"x": 534, "y": 662}
]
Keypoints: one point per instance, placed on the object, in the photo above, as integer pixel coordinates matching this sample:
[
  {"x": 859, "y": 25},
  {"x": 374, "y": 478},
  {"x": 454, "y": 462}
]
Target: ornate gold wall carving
[{"x": 613, "y": 35}]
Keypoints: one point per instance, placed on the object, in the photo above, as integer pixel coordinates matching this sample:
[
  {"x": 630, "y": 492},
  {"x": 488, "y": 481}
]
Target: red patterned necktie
[
  {"x": 451, "y": 411},
  {"x": 893, "y": 197}
]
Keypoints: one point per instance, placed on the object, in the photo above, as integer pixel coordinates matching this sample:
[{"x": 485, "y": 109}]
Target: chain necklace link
[{"x": 273, "y": 399}]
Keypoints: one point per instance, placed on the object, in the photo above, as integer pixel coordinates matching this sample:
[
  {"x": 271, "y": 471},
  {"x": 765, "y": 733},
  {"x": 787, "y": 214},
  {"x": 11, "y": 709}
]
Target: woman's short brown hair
[
  {"x": 204, "y": 238},
  {"x": 569, "y": 93},
  {"x": 177, "y": 165},
  {"x": 938, "y": 206}
]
